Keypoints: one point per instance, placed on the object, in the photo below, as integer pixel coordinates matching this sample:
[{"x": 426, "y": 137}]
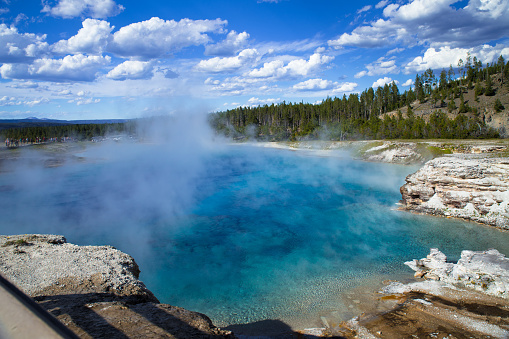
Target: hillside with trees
[{"x": 467, "y": 101}]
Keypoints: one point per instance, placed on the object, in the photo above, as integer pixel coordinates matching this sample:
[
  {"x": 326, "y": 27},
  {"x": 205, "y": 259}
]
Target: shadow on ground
[{"x": 104, "y": 315}]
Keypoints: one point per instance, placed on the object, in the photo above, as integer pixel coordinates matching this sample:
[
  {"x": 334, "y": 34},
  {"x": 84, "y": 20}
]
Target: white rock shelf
[
  {"x": 467, "y": 188},
  {"x": 484, "y": 271}
]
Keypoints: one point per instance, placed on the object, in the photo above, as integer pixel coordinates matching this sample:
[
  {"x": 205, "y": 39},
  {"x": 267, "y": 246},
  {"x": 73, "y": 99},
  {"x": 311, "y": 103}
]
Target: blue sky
[{"x": 101, "y": 59}]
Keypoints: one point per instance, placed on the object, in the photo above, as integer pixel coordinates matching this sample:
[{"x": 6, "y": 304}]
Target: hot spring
[{"x": 240, "y": 233}]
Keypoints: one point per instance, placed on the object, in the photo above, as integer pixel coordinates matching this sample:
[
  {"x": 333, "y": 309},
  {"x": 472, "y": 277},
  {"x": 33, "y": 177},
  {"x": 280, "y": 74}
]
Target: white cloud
[
  {"x": 217, "y": 64},
  {"x": 77, "y": 8},
  {"x": 156, "y": 37},
  {"x": 233, "y": 42},
  {"x": 407, "y": 83},
  {"x": 313, "y": 84},
  {"x": 433, "y": 23},
  {"x": 257, "y": 102},
  {"x": 395, "y": 51},
  {"x": 379, "y": 67},
  {"x": 345, "y": 87},
  {"x": 357, "y": 38},
  {"x": 446, "y": 56},
  {"x": 87, "y": 101},
  {"x": 270, "y": 69},
  {"x": 381, "y": 4},
  {"x": 13, "y": 101},
  {"x": 91, "y": 39},
  {"x": 240, "y": 85},
  {"x": 382, "y": 81},
  {"x": 71, "y": 68},
  {"x": 297, "y": 67},
  {"x": 325, "y": 85},
  {"x": 23, "y": 84},
  {"x": 132, "y": 69},
  {"x": 16, "y": 47},
  {"x": 390, "y": 10},
  {"x": 364, "y": 9}
]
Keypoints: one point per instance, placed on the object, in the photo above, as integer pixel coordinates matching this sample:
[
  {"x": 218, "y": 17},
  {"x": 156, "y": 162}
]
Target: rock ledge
[
  {"x": 475, "y": 189},
  {"x": 95, "y": 290}
]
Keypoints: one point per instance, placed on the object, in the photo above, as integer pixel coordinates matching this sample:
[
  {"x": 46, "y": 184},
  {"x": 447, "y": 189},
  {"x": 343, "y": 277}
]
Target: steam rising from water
[{"x": 239, "y": 233}]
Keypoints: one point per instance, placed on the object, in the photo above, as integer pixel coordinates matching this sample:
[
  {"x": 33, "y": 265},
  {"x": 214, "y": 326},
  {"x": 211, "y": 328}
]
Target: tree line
[
  {"x": 74, "y": 131},
  {"x": 362, "y": 116}
]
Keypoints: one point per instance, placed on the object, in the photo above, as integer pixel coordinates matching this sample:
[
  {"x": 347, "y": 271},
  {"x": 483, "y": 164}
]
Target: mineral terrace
[{"x": 471, "y": 188}]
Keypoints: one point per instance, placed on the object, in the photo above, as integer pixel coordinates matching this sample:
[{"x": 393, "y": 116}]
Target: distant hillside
[
  {"x": 35, "y": 122},
  {"x": 477, "y": 106}
]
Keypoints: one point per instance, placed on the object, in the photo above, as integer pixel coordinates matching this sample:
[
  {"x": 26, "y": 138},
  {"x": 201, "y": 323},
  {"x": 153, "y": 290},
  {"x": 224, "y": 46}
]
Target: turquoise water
[{"x": 240, "y": 233}]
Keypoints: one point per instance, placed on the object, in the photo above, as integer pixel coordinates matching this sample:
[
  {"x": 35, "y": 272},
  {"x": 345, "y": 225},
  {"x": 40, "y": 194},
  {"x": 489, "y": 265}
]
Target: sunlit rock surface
[
  {"x": 486, "y": 271},
  {"x": 95, "y": 290},
  {"x": 394, "y": 152},
  {"x": 467, "y": 299},
  {"x": 464, "y": 187}
]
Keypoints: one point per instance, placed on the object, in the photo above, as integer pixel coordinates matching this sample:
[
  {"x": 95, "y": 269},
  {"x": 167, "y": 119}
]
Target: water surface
[{"x": 240, "y": 233}]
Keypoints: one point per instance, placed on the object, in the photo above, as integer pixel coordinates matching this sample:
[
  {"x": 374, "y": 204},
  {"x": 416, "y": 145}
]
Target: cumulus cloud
[
  {"x": 77, "y": 8},
  {"x": 313, "y": 85},
  {"x": 446, "y": 56},
  {"x": 257, "y": 102},
  {"x": 233, "y": 42},
  {"x": 156, "y": 37},
  {"x": 382, "y": 81},
  {"x": 297, "y": 67},
  {"x": 91, "y": 39},
  {"x": 13, "y": 101},
  {"x": 345, "y": 87},
  {"x": 132, "y": 69},
  {"x": 24, "y": 47},
  {"x": 432, "y": 22},
  {"x": 407, "y": 83},
  {"x": 379, "y": 67},
  {"x": 217, "y": 64},
  {"x": 71, "y": 68}
]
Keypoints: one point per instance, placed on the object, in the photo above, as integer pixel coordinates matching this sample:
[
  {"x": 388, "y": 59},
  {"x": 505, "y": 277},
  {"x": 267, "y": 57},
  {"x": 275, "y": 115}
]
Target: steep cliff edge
[
  {"x": 95, "y": 290},
  {"x": 471, "y": 188}
]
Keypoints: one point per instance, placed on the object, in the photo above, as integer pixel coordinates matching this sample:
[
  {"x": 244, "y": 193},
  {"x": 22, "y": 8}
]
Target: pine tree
[
  {"x": 489, "y": 91},
  {"x": 498, "y": 106}
]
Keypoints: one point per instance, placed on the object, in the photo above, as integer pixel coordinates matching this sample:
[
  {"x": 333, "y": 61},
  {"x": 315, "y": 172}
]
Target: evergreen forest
[
  {"x": 381, "y": 113},
  {"x": 67, "y": 131}
]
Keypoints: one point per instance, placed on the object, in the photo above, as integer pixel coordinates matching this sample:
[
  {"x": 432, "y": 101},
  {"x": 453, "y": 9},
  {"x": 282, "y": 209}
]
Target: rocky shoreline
[
  {"x": 470, "y": 188},
  {"x": 95, "y": 290},
  {"x": 467, "y": 299}
]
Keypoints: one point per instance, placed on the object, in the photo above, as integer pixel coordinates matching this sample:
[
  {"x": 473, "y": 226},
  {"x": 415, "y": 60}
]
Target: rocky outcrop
[
  {"x": 486, "y": 271},
  {"x": 471, "y": 188},
  {"x": 95, "y": 290},
  {"x": 467, "y": 299},
  {"x": 394, "y": 152}
]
